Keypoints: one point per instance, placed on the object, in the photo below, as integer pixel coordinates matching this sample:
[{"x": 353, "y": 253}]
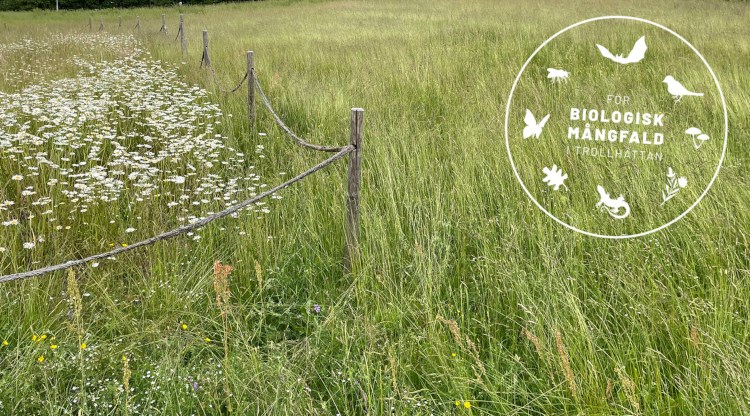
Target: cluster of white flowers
[
  {"x": 41, "y": 57},
  {"x": 94, "y": 42},
  {"x": 128, "y": 131}
]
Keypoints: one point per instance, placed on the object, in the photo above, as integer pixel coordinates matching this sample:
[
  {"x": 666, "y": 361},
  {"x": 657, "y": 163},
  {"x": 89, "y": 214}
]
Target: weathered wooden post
[
  {"x": 101, "y": 24},
  {"x": 353, "y": 186},
  {"x": 163, "y": 29},
  {"x": 183, "y": 39},
  {"x": 119, "y": 22},
  {"x": 250, "y": 89},
  {"x": 205, "y": 59},
  {"x": 90, "y": 21}
]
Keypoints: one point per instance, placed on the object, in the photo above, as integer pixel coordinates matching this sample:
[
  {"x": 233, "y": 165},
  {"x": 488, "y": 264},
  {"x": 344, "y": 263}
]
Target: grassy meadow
[{"x": 466, "y": 298}]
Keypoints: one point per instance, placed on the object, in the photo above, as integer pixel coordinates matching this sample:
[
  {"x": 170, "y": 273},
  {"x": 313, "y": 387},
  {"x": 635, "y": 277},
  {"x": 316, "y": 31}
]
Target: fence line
[
  {"x": 179, "y": 230},
  {"x": 250, "y": 73},
  {"x": 353, "y": 149}
]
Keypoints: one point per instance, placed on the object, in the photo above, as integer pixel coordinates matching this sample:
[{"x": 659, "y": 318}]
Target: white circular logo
[{"x": 616, "y": 127}]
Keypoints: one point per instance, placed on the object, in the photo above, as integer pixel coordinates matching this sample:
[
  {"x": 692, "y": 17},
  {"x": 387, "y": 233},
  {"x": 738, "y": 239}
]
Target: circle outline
[{"x": 723, "y": 151}]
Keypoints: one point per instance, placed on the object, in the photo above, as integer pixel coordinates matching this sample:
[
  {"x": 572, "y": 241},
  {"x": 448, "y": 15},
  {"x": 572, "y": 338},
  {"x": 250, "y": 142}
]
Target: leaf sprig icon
[{"x": 555, "y": 177}]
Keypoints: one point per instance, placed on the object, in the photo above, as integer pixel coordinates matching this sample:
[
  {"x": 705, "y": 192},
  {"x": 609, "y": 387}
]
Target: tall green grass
[{"x": 464, "y": 292}]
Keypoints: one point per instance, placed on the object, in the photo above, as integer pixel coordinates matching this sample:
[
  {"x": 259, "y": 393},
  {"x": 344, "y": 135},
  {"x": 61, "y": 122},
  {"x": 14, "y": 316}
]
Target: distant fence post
[
  {"x": 353, "y": 186},
  {"x": 119, "y": 22},
  {"x": 138, "y": 23},
  {"x": 183, "y": 39},
  {"x": 163, "y": 29},
  {"x": 250, "y": 89},
  {"x": 205, "y": 60},
  {"x": 101, "y": 24},
  {"x": 90, "y": 22}
]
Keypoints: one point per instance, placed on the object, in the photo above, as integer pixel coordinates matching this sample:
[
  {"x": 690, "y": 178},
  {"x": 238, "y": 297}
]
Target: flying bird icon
[
  {"x": 678, "y": 90},
  {"x": 532, "y": 127},
  {"x": 636, "y": 54}
]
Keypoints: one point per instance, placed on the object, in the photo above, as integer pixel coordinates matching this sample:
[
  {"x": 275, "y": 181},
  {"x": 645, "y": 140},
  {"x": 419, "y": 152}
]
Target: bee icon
[{"x": 556, "y": 75}]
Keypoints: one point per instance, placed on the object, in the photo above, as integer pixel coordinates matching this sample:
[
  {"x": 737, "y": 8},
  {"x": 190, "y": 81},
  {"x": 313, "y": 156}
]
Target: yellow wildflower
[
  {"x": 53, "y": 347},
  {"x": 467, "y": 404},
  {"x": 208, "y": 339},
  {"x": 43, "y": 337},
  {"x": 183, "y": 326},
  {"x": 40, "y": 359},
  {"x": 83, "y": 346},
  {"x": 34, "y": 337},
  {"x": 5, "y": 343},
  {"x": 458, "y": 403}
]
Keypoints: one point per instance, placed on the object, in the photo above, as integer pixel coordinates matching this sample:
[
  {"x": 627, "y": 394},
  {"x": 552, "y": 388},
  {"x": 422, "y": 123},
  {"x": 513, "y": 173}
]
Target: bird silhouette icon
[{"x": 677, "y": 90}]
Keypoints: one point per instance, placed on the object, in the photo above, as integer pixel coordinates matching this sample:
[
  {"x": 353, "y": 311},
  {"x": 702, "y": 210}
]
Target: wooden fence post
[
  {"x": 183, "y": 39},
  {"x": 101, "y": 24},
  {"x": 90, "y": 20},
  {"x": 250, "y": 89},
  {"x": 163, "y": 29},
  {"x": 119, "y": 22},
  {"x": 351, "y": 249},
  {"x": 205, "y": 60}
]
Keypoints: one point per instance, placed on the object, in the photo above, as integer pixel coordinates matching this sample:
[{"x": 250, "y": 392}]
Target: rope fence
[
  {"x": 179, "y": 230},
  {"x": 353, "y": 149},
  {"x": 288, "y": 131}
]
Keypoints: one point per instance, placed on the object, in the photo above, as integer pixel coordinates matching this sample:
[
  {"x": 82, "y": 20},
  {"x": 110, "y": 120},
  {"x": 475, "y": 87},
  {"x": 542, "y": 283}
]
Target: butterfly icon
[{"x": 532, "y": 127}]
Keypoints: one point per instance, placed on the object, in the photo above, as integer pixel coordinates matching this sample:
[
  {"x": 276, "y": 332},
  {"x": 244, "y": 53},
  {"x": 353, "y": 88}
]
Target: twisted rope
[
  {"x": 180, "y": 230},
  {"x": 289, "y": 132},
  {"x": 233, "y": 90},
  {"x": 205, "y": 61},
  {"x": 244, "y": 78}
]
